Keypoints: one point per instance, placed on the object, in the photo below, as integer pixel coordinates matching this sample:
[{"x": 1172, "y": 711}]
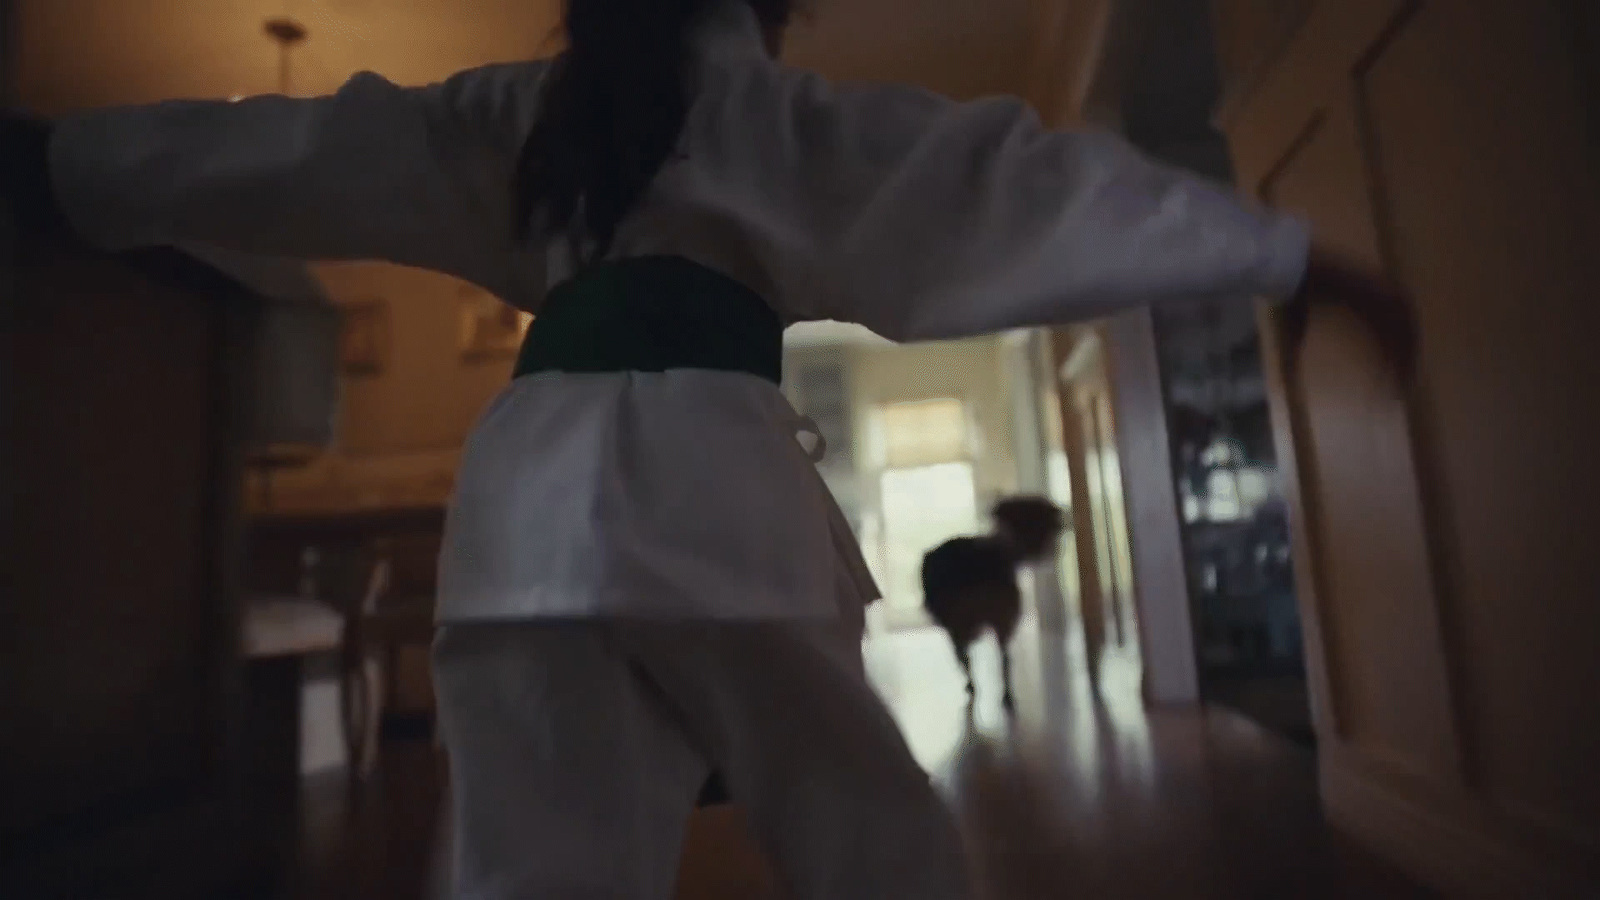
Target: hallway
[
  {"x": 1106, "y": 799},
  {"x": 1075, "y": 798}
]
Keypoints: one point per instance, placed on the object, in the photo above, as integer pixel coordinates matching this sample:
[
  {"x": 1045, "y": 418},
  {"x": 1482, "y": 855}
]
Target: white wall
[{"x": 1166, "y": 628}]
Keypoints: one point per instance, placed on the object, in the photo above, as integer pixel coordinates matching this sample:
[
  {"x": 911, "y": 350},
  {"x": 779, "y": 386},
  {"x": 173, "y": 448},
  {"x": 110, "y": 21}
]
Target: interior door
[
  {"x": 1104, "y": 553},
  {"x": 1445, "y": 143}
]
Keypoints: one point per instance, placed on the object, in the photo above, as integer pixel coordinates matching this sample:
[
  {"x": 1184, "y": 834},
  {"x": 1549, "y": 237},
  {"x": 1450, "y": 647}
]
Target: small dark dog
[{"x": 970, "y": 583}]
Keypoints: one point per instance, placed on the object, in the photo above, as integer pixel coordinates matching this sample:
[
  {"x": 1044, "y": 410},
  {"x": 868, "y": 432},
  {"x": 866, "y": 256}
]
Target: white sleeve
[
  {"x": 933, "y": 219},
  {"x": 415, "y": 176}
]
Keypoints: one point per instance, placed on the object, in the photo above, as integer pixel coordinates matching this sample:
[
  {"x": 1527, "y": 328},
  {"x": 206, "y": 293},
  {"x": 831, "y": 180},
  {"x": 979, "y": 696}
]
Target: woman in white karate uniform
[{"x": 643, "y": 579}]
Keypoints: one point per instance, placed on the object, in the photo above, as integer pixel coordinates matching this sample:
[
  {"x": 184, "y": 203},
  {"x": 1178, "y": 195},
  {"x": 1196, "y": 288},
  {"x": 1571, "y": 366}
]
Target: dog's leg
[
  {"x": 1007, "y": 611},
  {"x": 966, "y": 667},
  {"x": 1006, "y": 700}
]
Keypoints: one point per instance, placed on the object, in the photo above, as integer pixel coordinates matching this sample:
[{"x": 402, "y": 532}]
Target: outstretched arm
[
  {"x": 936, "y": 219},
  {"x": 416, "y": 176}
]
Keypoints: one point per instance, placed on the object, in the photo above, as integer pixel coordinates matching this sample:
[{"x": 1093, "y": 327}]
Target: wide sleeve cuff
[{"x": 1287, "y": 250}]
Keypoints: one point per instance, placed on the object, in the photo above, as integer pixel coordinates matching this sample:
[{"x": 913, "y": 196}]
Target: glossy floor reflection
[
  {"x": 1082, "y": 794},
  {"x": 1086, "y": 794}
]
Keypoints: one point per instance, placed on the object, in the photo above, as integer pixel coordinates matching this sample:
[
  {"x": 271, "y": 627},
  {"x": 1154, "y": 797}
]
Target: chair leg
[
  {"x": 354, "y": 693},
  {"x": 372, "y": 674}
]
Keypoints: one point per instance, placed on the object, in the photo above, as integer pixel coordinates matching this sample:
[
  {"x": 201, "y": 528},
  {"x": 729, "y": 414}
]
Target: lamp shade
[
  {"x": 296, "y": 390},
  {"x": 296, "y": 377}
]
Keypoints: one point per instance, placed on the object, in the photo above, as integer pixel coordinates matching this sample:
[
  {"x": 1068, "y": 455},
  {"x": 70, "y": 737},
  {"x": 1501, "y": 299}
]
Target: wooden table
[{"x": 290, "y": 626}]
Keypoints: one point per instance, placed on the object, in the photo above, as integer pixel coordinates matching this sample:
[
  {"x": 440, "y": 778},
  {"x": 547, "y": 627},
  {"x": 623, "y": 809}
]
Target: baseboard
[{"x": 1460, "y": 853}]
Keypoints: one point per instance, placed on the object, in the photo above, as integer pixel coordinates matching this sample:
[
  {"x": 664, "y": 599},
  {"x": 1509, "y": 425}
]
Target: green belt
[{"x": 652, "y": 314}]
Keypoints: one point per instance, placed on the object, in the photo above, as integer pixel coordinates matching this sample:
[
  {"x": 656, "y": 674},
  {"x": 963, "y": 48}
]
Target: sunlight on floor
[{"x": 916, "y": 674}]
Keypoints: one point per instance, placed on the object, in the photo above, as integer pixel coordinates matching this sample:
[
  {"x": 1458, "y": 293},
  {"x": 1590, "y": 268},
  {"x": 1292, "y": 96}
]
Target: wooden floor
[{"x": 1083, "y": 794}]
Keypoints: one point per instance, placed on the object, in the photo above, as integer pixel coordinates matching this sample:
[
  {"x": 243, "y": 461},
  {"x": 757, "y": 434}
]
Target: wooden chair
[
  {"x": 375, "y": 632},
  {"x": 361, "y": 687}
]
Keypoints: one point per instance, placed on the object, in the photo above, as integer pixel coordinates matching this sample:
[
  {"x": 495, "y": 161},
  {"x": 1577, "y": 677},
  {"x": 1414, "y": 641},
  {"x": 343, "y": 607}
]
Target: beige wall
[
  {"x": 1250, "y": 36},
  {"x": 400, "y": 429},
  {"x": 956, "y": 47},
  {"x": 428, "y": 396},
  {"x": 973, "y": 371},
  {"x": 1444, "y": 526},
  {"x": 75, "y": 53}
]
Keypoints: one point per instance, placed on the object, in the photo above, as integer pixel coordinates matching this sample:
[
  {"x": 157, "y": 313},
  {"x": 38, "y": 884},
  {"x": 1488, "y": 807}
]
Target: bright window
[
  {"x": 928, "y": 494},
  {"x": 922, "y": 508},
  {"x": 925, "y": 433}
]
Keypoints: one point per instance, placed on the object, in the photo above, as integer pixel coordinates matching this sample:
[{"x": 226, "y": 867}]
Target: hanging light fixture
[
  {"x": 287, "y": 33},
  {"x": 297, "y": 379}
]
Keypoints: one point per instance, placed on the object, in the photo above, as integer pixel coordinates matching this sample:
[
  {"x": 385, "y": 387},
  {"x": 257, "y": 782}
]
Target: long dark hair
[{"x": 612, "y": 111}]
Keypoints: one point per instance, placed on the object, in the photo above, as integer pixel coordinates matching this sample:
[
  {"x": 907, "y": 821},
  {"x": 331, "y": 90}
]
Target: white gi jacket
[{"x": 681, "y": 494}]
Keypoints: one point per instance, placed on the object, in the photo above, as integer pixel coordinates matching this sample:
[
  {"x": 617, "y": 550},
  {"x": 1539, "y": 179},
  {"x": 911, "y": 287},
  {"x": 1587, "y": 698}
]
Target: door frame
[{"x": 1121, "y": 355}]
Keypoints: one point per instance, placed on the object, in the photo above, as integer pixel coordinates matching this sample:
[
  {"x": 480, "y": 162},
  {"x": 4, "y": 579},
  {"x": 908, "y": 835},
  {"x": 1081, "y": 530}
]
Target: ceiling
[{"x": 75, "y": 53}]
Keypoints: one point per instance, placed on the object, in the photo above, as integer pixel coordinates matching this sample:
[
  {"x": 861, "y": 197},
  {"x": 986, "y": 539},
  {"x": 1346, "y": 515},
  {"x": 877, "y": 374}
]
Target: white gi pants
[{"x": 577, "y": 750}]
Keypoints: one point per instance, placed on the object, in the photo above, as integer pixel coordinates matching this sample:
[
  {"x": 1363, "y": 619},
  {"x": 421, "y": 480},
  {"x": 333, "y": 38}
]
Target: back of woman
[{"x": 644, "y": 581}]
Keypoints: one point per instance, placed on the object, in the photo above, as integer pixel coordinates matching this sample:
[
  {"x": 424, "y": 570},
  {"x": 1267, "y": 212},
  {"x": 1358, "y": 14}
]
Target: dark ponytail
[{"x": 612, "y": 111}]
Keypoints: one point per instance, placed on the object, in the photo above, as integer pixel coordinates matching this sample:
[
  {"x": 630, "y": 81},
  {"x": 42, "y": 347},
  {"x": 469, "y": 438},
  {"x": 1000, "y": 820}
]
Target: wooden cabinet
[
  {"x": 123, "y": 724},
  {"x": 1450, "y": 604}
]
